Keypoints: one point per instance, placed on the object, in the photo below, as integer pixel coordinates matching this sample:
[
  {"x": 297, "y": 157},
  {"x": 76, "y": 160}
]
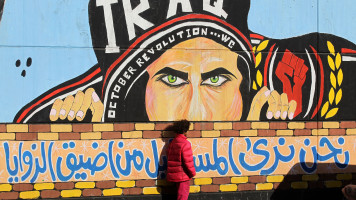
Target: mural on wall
[
  {"x": 40, "y": 161},
  {"x": 195, "y": 59},
  {"x": 198, "y": 60}
]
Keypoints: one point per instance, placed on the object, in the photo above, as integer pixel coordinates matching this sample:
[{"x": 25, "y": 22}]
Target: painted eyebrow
[
  {"x": 179, "y": 63},
  {"x": 215, "y": 72},
  {"x": 173, "y": 72}
]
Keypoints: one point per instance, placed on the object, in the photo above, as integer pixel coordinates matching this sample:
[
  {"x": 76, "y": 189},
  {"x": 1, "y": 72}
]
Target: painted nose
[{"x": 197, "y": 111}]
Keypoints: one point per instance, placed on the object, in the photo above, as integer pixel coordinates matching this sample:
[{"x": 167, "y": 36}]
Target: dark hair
[
  {"x": 246, "y": 94},
  {"x": 181, "y": 126}
]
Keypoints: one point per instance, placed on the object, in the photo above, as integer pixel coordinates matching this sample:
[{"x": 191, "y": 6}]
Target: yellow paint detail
[
  {"x": 258, "y": 59},
  {"x": 264, "y": 186},
  {"x": 338, "y": 96},
  {"x": 351, "y": 131},
  {"x": 194, "y": 189},
  {"x": 259, "y": 78},
  {"x": 275, "y": 179},
  {"x": 85, "y": 185},
  {"x": 5, "y": 187},
  {"x": 333, "y": 184},
  {"x": 333, "y": 79},
  {"x": 331, "y": 113},
  {"x": 29, "y": 195},
  {"x": 310, "y": 177},
  {"x": 284, "y": 132},
  {"x": 331, "y": 63},
  {"x": 331, "y": 125},
  {"x": 331, "y": 96},
  {"x": 340, "y": 77},
  {"x": 103, "y": 127},
  {"x": 222, "y": 125},
  {"x": 132, "y": 134},
  {"x": 325, "y": 108},
  {"x": 296, "y": 125},
  {"x": 125, "y": 184},
  {"x": 203, "y": 181},
  {"x": 47, "y": 136},
  {"x": 71, "y": 193},
  {"x": 338, "y": 61},
  {"x": 248, "y": 133},
  {"x": 228, "y": 188},
  {"x": 7, "y": 136},
  {"x": 17, "y": 128},
  {"x": 331, "y": 48},
  {"x": 191, "y": 126},
  {"x": 210, "y": 133},
  {"x": 152, "y": 190},
  {"x": 44, "y": 186},
  {"x": 112, "y": 192},
  {"x": 341, "y": 177},
  {"x": 299, "y": 185},
  {"x": 61, "y": 128},
  {"x": 144, "y": 126},
  {"x": 242, "y": 179},
  {"x": 254, "y": 86},
  {"x": 262, "y": 46},
  {"x": 260, "y": 125},
  {"x": 320, "y": 132},
  {"x": 90, "y": 136},
  {"x": 254, "y": 49}
]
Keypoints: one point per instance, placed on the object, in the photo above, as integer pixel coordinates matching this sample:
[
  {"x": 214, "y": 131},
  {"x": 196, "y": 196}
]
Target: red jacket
[{"x": 180, "y": 160}]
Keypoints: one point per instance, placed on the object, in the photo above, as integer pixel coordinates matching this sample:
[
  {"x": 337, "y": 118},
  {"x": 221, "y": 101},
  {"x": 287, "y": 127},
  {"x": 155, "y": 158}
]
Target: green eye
[
  {"x": 172, "y": 79},
  {"x": 214, "y": 79}
]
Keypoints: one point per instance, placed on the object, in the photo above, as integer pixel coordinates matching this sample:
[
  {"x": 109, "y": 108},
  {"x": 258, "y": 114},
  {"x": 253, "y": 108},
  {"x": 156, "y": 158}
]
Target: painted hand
[
  {"x": 292, "y": 72},
  {"x": 77, "y": 107},
  {"x": 278, "y": 105}
]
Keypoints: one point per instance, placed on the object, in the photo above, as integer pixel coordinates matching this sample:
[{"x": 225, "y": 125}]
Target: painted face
[{"x": 197, "y": 80}]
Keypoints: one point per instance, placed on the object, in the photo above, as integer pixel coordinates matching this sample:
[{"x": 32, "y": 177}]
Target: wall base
[{"x": 315, "y": 194}]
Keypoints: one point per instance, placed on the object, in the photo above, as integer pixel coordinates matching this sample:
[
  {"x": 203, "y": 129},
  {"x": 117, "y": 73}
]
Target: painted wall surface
[
  {"x": 308, "y": 73},
  {"x": 284, "y": 69},
  {"x": 62, "y": 161},
  {"x": 128, "y": 159}
]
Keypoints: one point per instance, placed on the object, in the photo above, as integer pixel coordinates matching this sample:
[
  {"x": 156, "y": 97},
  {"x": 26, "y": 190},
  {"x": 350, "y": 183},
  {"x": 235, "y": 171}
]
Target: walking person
[{"x": 180, "y": 168}]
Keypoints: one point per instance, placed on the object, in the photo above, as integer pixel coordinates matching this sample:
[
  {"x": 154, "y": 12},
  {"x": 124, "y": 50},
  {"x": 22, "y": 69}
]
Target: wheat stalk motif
[
  {"x": 257, "y": 50},
  {"x": 330, "y": 108}
]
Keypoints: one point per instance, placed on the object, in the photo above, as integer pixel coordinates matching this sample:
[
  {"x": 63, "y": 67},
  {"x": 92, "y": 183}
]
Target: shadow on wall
[
  {"x": 168, "y": 189},
  {"x": 322, "y": 185},
  {"x": 315, "y": 186}
]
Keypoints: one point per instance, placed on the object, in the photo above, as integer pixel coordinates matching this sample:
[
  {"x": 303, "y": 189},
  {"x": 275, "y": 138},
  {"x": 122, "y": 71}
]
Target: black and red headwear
[{"x": 128, "y": 35}]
